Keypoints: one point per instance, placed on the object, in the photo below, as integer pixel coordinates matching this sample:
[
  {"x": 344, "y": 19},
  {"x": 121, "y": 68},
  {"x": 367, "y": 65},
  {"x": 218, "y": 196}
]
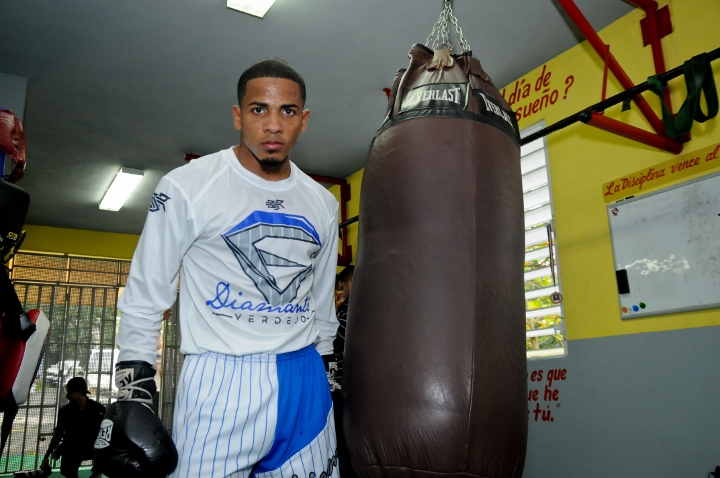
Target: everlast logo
[
  {"x": 123, "y": 378},
  {"x": 105, "y": 435},
  {"x": 441, "y": 95},
  {"x": 489, "y": 107}
]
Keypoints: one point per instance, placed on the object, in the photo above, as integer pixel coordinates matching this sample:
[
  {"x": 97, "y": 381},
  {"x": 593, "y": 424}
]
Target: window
[{"x": 544, "y": 327}]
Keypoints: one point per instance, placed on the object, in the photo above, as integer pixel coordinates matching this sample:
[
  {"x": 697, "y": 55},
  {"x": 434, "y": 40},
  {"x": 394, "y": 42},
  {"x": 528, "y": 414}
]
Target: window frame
[{"x": 557, "y": 329}]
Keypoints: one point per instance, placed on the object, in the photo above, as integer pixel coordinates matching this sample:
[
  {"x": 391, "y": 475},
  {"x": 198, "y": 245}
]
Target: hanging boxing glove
[
  {"x": 12, "y": 144},
  {"x": 132, "y": 441}
]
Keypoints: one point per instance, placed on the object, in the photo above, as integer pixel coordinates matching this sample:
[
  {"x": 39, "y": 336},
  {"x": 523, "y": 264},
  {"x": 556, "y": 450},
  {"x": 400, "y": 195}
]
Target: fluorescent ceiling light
[
  {"x": 121, "y": 188},
  {"x": 256, "y": 8}
]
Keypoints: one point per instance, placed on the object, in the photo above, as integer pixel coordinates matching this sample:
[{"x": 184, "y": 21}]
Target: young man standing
[
  {"x": 77, "y": 426},
  {"x": 253, "y": 241}
]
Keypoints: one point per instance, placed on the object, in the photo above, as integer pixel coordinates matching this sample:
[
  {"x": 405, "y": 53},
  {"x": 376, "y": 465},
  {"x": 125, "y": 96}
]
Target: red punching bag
[{"x": 435, "y": 367}]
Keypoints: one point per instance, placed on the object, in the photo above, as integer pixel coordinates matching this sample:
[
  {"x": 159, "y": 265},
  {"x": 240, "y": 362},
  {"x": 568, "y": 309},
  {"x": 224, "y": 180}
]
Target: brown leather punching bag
[{"x": 435, "y": 368}]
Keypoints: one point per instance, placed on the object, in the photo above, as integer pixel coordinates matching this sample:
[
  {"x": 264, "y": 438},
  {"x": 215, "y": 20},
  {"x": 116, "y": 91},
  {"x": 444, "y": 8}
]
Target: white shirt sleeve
[
  {"x": 152, "y": 284},
  {"x": 323, "y": 289}
]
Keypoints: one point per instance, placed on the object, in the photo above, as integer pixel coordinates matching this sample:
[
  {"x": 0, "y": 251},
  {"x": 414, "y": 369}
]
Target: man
[
  {"x": 77, "y": 426},
  {"x": 253, "y": 241},
  {"x": 345, "y": 279}
]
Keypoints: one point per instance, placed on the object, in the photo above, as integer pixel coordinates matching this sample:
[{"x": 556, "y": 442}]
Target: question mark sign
[{"x": 569, "y": 82}]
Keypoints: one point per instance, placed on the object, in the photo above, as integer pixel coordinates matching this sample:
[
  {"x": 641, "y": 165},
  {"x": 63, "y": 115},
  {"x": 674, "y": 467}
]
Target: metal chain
[
  {"x": 439, "y": 33},
  {"x": 439, "y": 36},
  {"x": 458, "y": 31}
]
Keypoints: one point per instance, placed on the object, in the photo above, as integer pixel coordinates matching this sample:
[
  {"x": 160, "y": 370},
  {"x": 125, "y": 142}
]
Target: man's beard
[{"x": 269, "y": 165}]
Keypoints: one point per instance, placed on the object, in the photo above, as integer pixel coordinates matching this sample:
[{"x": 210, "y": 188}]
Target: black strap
[
  {"x": 448, "y": 113},
  {"x": 698, "y": 79}
]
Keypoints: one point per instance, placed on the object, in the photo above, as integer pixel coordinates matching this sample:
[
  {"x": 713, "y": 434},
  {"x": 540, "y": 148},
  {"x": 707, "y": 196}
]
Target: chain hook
[{"x": 440, "y": 35}]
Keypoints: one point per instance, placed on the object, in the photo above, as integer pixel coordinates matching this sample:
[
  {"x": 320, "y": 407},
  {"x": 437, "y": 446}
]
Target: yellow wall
[
  {"x": 80, "y": 242},
  {"x": 582, "y": 158},
  {"x": 353, "y": 209}
]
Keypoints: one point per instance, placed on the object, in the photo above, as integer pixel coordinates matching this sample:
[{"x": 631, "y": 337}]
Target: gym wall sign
[
  {"x": 540, "y": 92},
  {"x": 544, "y": 394},
  {"x": 700, "y": 161}
]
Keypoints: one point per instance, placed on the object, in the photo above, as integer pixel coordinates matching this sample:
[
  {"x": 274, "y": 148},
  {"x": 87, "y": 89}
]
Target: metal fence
[
  {"x": 169, "y": 368},
  {"x": 79, "y": 297}
]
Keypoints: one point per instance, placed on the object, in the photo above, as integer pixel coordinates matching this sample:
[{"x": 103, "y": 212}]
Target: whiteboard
[{"x": 668, "y": 242}]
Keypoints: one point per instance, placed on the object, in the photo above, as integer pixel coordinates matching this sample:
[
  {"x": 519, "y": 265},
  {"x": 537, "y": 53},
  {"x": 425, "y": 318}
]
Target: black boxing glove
[{"x": 132, "y": 441}]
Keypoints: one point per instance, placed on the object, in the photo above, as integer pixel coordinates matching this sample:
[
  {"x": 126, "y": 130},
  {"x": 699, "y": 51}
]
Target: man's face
[
  {"x": 269, "y": 119},
  {"x": 74, "y": 396},
  {"x": 345, "y": 288}
]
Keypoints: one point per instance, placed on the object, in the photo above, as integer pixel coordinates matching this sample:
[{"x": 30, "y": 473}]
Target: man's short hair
[
  {"x": 269, "y": 68},
  {"x": 77, "y": 384},
  {"x": 346, "y": 274}
]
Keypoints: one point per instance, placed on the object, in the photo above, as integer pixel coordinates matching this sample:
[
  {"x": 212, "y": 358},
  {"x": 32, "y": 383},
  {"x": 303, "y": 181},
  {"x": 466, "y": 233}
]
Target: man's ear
[
  {"x": 305, "y": 116},
  {"x": 237, "y": 120}
]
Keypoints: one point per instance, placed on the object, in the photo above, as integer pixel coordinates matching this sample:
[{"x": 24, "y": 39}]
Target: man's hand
[
  {"x": 133, "y": 441},
  {"x": 330, "y": 363}
]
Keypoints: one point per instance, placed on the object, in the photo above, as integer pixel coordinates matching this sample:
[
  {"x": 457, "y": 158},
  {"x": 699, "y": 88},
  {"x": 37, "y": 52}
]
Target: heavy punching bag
[{"x": 435, "y": 368}]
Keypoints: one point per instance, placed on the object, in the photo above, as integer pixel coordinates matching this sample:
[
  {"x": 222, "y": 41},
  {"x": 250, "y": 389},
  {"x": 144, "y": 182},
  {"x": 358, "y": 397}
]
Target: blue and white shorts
[{"x": 265, "y": 415}]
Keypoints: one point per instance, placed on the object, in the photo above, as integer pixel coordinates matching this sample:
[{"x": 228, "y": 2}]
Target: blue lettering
[
  {"x": 222, "y": 295},
  {"x": 222, "y": 301},
  {"x": 247, "y": 305},
  {"x": 263, "y": 307}
]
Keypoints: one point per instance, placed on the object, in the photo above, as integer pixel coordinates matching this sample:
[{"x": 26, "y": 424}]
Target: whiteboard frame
[{"x": 638, "y": 315}]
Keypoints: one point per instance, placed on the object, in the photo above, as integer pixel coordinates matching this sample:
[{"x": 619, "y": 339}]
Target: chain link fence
[{"x": 79, "y": 297}]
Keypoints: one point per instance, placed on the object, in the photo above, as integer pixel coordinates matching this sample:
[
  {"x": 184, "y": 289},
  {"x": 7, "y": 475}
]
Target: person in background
[
  {"x": 345, "y": 279},
  {"x": 77, "y": 427}
]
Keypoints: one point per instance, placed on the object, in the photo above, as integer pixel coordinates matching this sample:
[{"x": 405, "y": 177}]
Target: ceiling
[{"x": 140, "y": 83}]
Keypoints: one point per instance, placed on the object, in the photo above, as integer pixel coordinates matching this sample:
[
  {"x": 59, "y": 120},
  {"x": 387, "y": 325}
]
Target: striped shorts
[{"x": 264, "y": 415}]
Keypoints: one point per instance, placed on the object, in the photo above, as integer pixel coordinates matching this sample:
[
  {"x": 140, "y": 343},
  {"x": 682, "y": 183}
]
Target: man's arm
[
  {"x": 323, "y": 289},
  {"x": 152, "y": 284},
  {"x": 56, "y": 438},
  {"x": 135, "y": 442}
]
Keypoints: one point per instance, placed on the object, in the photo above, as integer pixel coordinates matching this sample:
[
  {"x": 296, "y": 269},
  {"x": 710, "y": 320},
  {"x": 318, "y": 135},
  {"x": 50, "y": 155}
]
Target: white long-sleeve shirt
[{"x": 256, "y": 261}]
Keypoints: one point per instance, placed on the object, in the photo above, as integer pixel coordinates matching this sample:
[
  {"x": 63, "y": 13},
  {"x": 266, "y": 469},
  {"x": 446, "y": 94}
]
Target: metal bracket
[
  {"x": 345, "y": 252},
  {"x": 664, "y": 26}
]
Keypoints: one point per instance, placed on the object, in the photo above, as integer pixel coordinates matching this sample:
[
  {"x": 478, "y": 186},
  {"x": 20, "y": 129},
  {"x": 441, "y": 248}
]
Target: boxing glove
[
  {"x": 12, "y": 143},
  {"x": 132, "y": 442},
  {"x": 9, "y": 135}
]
